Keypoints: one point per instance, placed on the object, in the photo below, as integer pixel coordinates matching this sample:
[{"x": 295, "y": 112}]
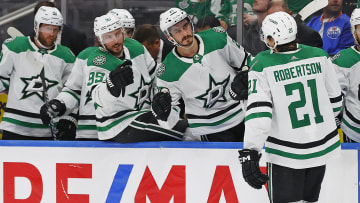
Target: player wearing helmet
[
  {"x": 127, "y": 20},
  {"x": 292, "y": 99},
  {"x": 200, "y": 70},
  {"x": 117, "y": 78},
  {"x": 348, "y": 70},
  {"x": 20, "y": 75}
]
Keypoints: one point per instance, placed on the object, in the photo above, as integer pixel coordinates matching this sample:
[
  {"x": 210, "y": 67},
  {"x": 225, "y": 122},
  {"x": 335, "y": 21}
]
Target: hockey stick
[
  {"x": 13, "y": 32},
  {"x": 311, "y": 8},
  {"x": 40, "y": 66}
]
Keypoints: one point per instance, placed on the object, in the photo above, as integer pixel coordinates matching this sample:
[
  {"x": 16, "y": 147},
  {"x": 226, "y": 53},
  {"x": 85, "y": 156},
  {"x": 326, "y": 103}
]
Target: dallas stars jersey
[
  {"x": 114, "y": 114},
  {"x": 203, "y": 83},
  {"x": 348, "y": 69},
  {"x": 22, "y": 78},
  {"x": 293, "y": 99}
]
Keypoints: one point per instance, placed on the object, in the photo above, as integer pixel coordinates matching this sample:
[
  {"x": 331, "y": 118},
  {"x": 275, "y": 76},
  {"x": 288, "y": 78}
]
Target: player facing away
[
  {"x": 348, "y": 70},
  {"x": 200, "y": 70},
  {"x": 24, "y": 62},
  {"x": 293, "y": 98}
]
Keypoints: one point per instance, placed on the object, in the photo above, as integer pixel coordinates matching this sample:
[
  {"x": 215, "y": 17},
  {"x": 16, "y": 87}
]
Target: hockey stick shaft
[
  {"x": 38, "y": 65},
  {"x": 13, "y": 32}
]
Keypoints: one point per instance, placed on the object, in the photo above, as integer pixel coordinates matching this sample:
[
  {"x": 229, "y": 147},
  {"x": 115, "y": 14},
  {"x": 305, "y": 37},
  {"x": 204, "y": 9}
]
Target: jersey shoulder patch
[
  {"x": 346, "y": 58},
  {"x": 213, "y": 40},
  {"x": 172, "y": 68},
  {"x": 135, "y": 48},
  {"x": 19, "y": 44},
  {"x": 64, "y": 53}
]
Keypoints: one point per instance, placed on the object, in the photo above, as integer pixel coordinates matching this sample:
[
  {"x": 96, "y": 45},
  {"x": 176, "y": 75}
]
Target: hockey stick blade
[
  {"x": 40, "y": 67},
  {"x": 311, "y": 8},
  {"x": 13, "y": 32}
]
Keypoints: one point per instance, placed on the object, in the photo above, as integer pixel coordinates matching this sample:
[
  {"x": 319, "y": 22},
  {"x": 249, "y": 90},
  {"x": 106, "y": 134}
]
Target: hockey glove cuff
[
  {"x": 239, "y": 86},
  {"x": 67, "y": 128},
  {"x": 161, "y": 105},
  {"x": 53, "y": 109},
  {"x": 249, "y": 160},
  {"x": 119, "y": 78}
]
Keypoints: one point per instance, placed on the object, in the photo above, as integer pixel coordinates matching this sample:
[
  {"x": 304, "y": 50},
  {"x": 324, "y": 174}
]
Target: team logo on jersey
[
  {"x": 215, "y": 93},
  {"x": 219, "y": 29},
  {"x": 184, "y": 4},
  {"x": 99, "y": 60},
  {"x": 142, "y": 94},
  {"x": 333, "y": 32},
  {"x": 161, "y": 70},
  {"x": 33, "y": 86}
]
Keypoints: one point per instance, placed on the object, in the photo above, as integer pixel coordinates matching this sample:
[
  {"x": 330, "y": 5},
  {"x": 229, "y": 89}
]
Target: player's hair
[
  {"x": 146, "y": 32},
  {"x": 291, "y": 46},
  {"x": 43, "y": 3},
  {"x": 210, "y": 21}
]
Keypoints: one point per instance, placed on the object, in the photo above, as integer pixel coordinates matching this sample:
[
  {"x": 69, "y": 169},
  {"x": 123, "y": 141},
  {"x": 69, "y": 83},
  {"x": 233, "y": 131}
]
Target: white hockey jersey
[
  {"x": 22, "y": 79},
  {"x": 114, "y": 114},
  {"x": 293, "y": 99},
  {"x": 203, "y": 82},
  {"x": 90, "y": 69},
  {"x": 348, "y": 70}
]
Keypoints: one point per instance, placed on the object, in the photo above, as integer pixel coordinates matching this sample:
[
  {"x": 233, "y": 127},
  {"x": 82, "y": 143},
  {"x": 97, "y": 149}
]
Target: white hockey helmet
[
  {"x": 280, "y": 26},
  {"x": 106, "y": 23},
  {"x": 48, "y": 15},
  {"x": 170, "y": 18},
  {"x": 126, "y": 18},
  {"x": 355, "y": 20}
]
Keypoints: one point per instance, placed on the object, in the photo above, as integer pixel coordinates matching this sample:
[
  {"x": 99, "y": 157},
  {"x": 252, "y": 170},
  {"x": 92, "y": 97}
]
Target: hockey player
[
  {"x": 293, "y": 98},
  {"x": 120, "y": 75},
  {"x": 348, "y": 66},
  {"x": 127, "y": 20},
  {"x": 23, "y": 62},
  {"x": 200, "y": 70}
]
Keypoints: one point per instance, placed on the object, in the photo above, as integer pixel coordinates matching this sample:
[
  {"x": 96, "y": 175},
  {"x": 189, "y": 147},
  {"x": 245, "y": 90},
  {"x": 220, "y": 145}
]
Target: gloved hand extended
[
  {"x": 161, "y": 105},
  {"x": 249, "y": 160},
  {"x": 119, "y": 78},
  {"x": 239, "y": 86}
]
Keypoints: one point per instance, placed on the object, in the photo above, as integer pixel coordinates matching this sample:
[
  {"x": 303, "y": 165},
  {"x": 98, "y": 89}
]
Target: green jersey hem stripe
[
  {"x": 86, "y": 127},
  {"x": 74, "y": 95},
  {"x": 303, "y": 156},
  {"x": 258, "y": 115},
  {"x": 337, "y": 109},
  {"x": 350, "y": 126},
  {"x": 114, "y": 123},
  {"x": 24, "y": 124},
  {"x": 157, "y": 128},
  {"x": 196, "y": 125}
]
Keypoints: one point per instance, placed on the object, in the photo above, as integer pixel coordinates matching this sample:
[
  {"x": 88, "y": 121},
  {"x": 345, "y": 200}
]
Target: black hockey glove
[
  {"x": 67, "y": 128},
  {"x": 119, "y": 78},
  {"x": 56, "y": 108},
  {"x": 161, "y": 105},
  {"x": 239, "y": 86},
  {"x": 249, "y": 160}
]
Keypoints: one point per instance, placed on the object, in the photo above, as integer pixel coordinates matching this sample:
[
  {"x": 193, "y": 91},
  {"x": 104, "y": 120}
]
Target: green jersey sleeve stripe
[
  {"x": 24, "y": 124},
  {"x": 350, "y": 126},
  {"x": 114, "y": 123},
  {"x": 157, "y": 128},
  {"x": 303, "y": 156},
  {"x": 258, "y": 115},
  {"x": 74, "y": 95},
  {"x": 337, "y": 109},
  {"x": 195, "y": 125},
  {"x": 86, "y": 127}
]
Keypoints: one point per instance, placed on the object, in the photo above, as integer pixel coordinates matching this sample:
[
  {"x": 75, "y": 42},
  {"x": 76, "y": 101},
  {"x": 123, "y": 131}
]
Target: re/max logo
[{"x": 174, "y": 186}]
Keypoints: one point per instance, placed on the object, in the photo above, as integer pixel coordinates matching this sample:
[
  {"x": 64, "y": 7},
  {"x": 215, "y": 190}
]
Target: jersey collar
[{"x": 200, "y": 52}]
